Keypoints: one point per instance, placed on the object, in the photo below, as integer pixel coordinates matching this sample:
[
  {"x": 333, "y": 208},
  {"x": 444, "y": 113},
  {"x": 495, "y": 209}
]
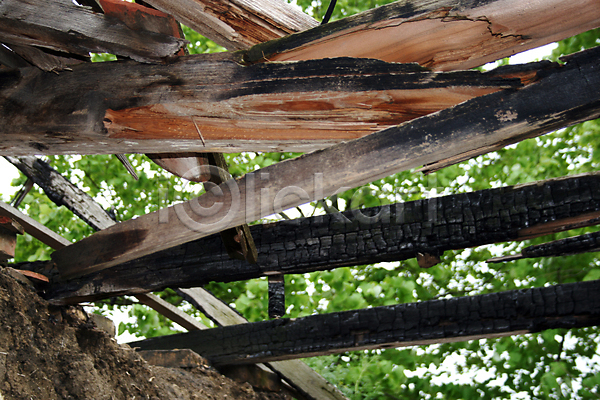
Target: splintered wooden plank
[
  {"x": 428, "y": 322},
  {"x": 472, "y": 127},
  {"x": 440, "y": 34},
  {"x": 238, "y": 24},
  {"x": 381, "y": 234},
  {"x": 63, "y": 26},
  {"x": 212, "y": 103}
]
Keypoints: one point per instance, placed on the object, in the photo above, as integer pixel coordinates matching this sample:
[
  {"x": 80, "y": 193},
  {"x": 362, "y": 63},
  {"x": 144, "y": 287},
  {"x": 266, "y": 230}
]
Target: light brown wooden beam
[
  {"x": 238, "y": 24},
  {"x": 34, "y": 228},
  {"x": 63, "y": 26},
  {"x": 440, "y": 34},
  {"x": 472, "y": 127},
  {"x": 210, "y": 102}
]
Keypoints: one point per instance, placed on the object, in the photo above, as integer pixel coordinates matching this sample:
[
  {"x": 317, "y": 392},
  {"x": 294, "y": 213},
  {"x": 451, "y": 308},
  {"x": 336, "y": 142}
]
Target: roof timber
[
  {"x": 435, "y": 321},
  {"x": 63, "y": 26},
  {"x": 473, "y": 127},
  {"x": 238, "y": 24},
  {"x": 212, "y": 103},
  {"x": 357, "y": 237},
  {"x": 440, "y": 34}
]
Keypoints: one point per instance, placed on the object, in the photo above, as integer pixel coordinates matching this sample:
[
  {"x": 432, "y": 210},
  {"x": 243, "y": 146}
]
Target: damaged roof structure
[{"x": 386, "y": 90}]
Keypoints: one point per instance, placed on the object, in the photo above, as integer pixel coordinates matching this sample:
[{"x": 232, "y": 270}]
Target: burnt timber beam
[
  {"x": 441, "y": 34},
  {"x": 382, "y": 234},
  {"x": 473, "y": 127},
  {"x": 63, "y": 26},
  {"x": 238, "y": 24},
  {"x": 62, "y": 192},
  {"x": 297, "y": 374},
  {"x": 586, "y": 243},
  {"x": 210, "y": 102},
  {"x": 435, "y": 321}
]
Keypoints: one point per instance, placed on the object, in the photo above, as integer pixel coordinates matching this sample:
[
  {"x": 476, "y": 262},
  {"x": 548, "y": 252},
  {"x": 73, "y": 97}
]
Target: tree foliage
[{"x": 553, "y": 364}]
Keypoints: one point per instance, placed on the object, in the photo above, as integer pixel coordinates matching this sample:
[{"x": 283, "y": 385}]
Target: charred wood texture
[
  {"x": 63, "y": 26},
  {"x": 211, "y": 102},
  {"x": 435, "y": 321},
  {"x": 388, "y": 233},
  {"x": 471, "y": 128},
  {"x": 62, "y": 192},
  {"x": 573, "y": 245}
]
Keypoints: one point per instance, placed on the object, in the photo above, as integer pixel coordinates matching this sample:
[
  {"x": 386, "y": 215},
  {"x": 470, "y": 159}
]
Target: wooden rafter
[
  {"x": 62, "y": 192},
  {"x": 212, "y": 103},
  {"x": 434, "y": 321},
  {"x": 396, "y": 232},
  {"x": 441, "y": 34},
  {"x": 63, "y": 26},
  {"x": 469, "y": 129},
  {"x": 238, "y": 24}
]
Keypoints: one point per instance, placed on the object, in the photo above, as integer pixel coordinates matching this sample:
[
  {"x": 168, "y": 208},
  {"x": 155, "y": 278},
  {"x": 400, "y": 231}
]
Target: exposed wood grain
[
  {"x": 62, "y": 26},
  {"x": 503, "y": 117},
  {"x": 212, "y": 103},
  {"x": 440, "y": 34},
  {"x": 238, "y": 24},
  {"x": 34, "y": 228},
  {"x": 356, "y": 237},
  {"x": 427, "y": 322}
]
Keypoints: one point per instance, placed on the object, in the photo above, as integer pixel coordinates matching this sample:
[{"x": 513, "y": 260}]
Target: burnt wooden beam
[
  {"x": 586, "y": 243},
  {"x": 238, "y": 24},
  {"x": 62, "y": 192},
  {"x": 210, "y": 102},
  {"x": 297, "y": 374},
  {"x": 356, "y": 237},
  {"x": 63, "y": 26},
  {"x": 472, "y": 127},
  {"x": 441, "y": 34},
  {"x": 435, "y": 321}
]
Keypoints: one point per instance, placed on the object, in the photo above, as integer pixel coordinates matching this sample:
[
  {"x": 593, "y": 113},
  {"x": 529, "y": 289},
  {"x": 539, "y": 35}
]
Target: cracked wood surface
[
  {"x": 434, "y": 321},
  {"x": 440, "y": 34},
  {"x": 502, "y": 118},
  {"x": 63, "y": 26},
  {"x": 238, "y": 24},
  {"x": 382, "y": 234},
  {"x": 212, "y": 103},
  {"x": 297, "y": 374}
]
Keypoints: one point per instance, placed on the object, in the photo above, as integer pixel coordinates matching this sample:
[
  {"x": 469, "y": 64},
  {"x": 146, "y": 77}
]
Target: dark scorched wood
[
  {"x": 387, "y": 233},
  {"x": 466, "y": 130},
  {"x": 435, "y": 321},
  {"x": 63, "y": 26},
  {"x": 62, "y": 192},
  {"x": 212, "y": 103}
]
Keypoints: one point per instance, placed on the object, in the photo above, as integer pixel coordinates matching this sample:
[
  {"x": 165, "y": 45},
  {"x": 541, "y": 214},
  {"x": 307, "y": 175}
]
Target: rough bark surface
[
  {"x": 388, "y": 233},
  {"x": 434, "y": 321}
]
